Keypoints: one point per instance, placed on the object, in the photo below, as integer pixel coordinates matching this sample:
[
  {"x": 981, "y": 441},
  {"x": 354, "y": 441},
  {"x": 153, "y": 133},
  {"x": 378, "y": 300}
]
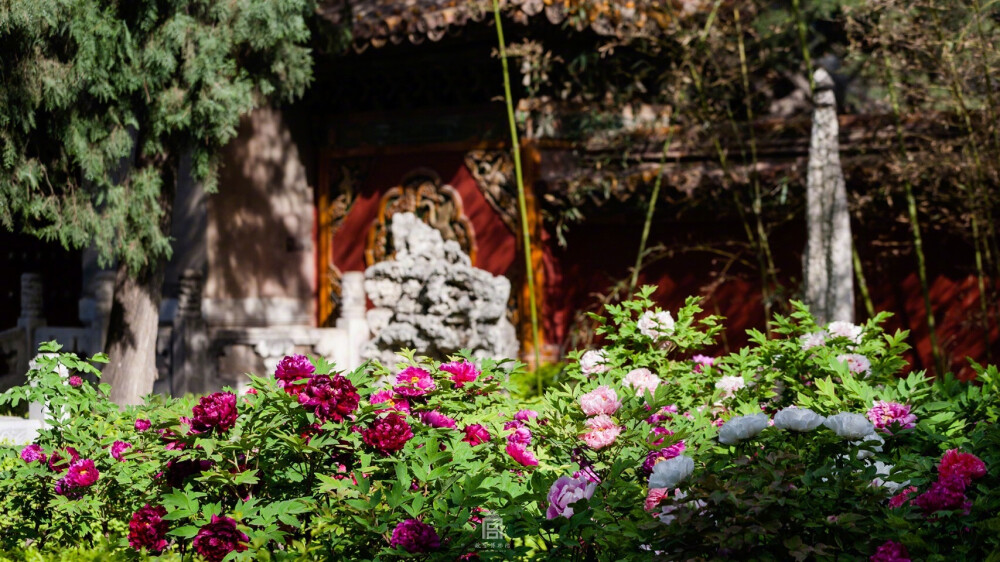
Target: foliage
[{"x": 100, "y": 102}]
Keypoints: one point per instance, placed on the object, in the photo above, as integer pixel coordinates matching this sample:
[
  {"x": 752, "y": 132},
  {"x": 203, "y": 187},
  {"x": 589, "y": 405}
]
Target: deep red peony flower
[
  {"x": 329, "y": 398},
  {"x": 891, "y": 551},
  {"x": 215, "y": 411},
  {"x": 147, "y": 529},
  {"x": 291, "y": 369},
  {"x": 220, "y": 537},
  {"x": 387, "y": 434},
  {"x": 60, "y": 461},
  {"x": 965, "y": 465},
  {"x": 415, "y": 536}
]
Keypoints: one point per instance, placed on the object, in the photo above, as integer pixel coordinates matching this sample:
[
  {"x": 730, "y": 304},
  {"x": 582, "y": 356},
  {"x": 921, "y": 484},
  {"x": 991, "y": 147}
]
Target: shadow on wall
[{"x": 260, "y": 232}]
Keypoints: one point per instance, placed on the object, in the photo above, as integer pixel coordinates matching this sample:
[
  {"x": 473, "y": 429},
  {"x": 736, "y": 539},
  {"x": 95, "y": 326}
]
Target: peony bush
[{"x": 809, "y": 443}]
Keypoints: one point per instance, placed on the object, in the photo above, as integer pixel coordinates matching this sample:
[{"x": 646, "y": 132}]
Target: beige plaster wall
[{"x": 261, "y": 266}]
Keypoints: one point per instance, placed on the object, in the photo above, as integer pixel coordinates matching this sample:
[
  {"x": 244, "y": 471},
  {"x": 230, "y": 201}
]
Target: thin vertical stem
[
  {"x": 911, "y": 207},
  {"x": 862, "y": 284},
  {"x": 650, "y": 211},
  {"x": 523, "y": 206}
]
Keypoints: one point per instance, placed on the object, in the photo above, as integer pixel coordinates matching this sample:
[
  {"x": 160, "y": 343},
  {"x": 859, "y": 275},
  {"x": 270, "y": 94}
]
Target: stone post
[
  {"x": 352, "y": 318},
  {"x": 827, "y": 264},
  {"x": 191, "y": 365}
]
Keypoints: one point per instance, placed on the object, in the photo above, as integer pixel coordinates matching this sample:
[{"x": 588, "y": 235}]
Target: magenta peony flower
[
  {"x": 520, "y": 436},
  {"x": 220, "y": 537},
  {"x": 32, "y": 453},
  {"x": 82, "y": 473},
  {"x": 603, "y": 432},
  {"x": 415, "y": 536},
  {"x": 148, "y": 530},
  {"x": 602, "y": 400},
  {"x": 964, "y": 465},
  {"x": 947, "y": 494},
  {"x": 702, "y": 362},
  {"x": 521, "y": 454},
  {"x": 566, "y": 491},
  {"x": 117, "y": 448},
  {"x": 890, "y": 552},
  {"x": 435, "y": 418},
  {"x": 142, "y": 424},
  {"x": 461, "y": 372},
  {"x": 525, "y": 415},
  {"x": 390, "y": 399},
  {"x": 59, "y": 463},
  {"x": 387, "y": 434},
  {"x": 886, "y": 414},
  {"x": 414, "y": 381},
  {"x": 900, "y": 499},
  {"x": 661, "y": 455},
  {"x": 293, "y": 368},
  {"x": 75, "y": 381},
  {"x": 476, "y": 434},
  {"x": 215, "y": 411},
  {"x": 329, "y": 398}
]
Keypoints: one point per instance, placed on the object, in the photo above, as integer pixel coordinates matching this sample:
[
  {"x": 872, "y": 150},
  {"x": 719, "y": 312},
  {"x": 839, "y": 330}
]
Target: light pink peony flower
[
  {"x": 602, "y": 400},
  {"x": 729, "y": 384},
  {"x": 641, "y": 380},
  {"x": 564, "y": 492},
  {"x": 656, "y": 325},
  {"x": 461, "y": 372},
  {"x": 594, "y": 362},
  {"x": 815, "y": 339},
  {"x": 885, "y": 415},
  {"x": 655, "y": 496},
  {"x": 845, "y": 330},
  {"x": 858, "y": 364},
  {"x": 603, "y": 432}
]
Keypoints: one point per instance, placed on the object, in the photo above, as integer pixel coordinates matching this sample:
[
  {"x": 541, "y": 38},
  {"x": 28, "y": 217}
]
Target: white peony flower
[
  {"x": 869, "y": 450},
  {"x": 641, "y": 380},
  {"x": 812, "y": 340},
  {"x": 845, "y": 330},
  {"x": 882, "y": 471},
  {"x": 858, "y": 364},
  {"x": 729, "y": 384},
  {"x": 669, "y": 473},
  {"x": 594, "y": 362},
  {"x": 656, "y": 325},
  {"x": 797, "y": 419},
  {"x": 742, "y": 428},
  {"x": 849, "y": 425}
]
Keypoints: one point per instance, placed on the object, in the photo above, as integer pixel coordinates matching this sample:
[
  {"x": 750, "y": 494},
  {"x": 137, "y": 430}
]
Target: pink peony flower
[
  {"x": 655, "y": 325},
  {"x": 390, "y": 399},
  {"x": 81, "y": 474},
  {"x": 215, "y": 411},
  {"x": 220, "y": 537},
  {"x": 476, "y": 434},
  {"x": 603, "y": 432},
  {"x": 32, "y": 453},
  {"x": 886, "y": 414},
  {"x": 525, "y": 415},
  {"x": 594, "y": 362},
  {"x": 964, "y": 465},
  {"x": 858, "y": 364},
  {"x": 520, "y": 436},
  {"x": 148, "y": 530},
  {"x": 142, "y": 424},
  {"x": 75, "y": 381},
  {"x": 461, "y": 372},
  {"x": 602, "y": 400},
  {"x": 414, "y": 381},
  {"x": 293, "y": 368},
  {"x": 329, "y": 397},
  {"x": 415, "y": 536},
  {"x": 566, "y": 491},
  {"x": 900, "y": 499},
  {"x": 387, "y": 434},
  {"x": 812, "y": 340},
  {"x": 435, "y": 418},
  {"x": 890, "y": 552},
  {"x": 702, "y": 362},
  {"x": 655, "y": 496},
  {"x": 117, "y": 448},
  {"x": 59, "y": 463},
  {"x": 521, "y": 454},
  {"x": 641, "y": 380}
]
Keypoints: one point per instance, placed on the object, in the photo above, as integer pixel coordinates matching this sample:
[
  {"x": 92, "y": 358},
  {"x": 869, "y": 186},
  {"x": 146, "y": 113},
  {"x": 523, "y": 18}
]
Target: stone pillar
[
  {"x": 95, "y": 308},
  {"x": 352, "y": 318},
  {"x": 192, "y": 369},
  {"x": 31, "y": 304},
  {"x": 827, "y": 264}
]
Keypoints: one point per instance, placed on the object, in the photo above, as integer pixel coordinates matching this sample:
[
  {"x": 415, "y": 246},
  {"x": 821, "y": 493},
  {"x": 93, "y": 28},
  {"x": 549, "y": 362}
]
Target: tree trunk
[
  {"x": 132, "y": 330},
  {"x": 827, "y": 263}
]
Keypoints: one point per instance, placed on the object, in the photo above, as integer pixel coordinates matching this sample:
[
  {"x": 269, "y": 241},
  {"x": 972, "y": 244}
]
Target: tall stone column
[
  {"x": 192, "y": 367},
  {"x": 827, "y": 265}
]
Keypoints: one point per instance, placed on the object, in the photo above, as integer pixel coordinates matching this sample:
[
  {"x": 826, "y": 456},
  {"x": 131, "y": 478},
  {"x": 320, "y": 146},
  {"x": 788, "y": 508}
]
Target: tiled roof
[{"x": 377, "y": 22}]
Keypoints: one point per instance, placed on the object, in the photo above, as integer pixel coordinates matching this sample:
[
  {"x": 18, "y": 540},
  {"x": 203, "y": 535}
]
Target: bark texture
[
  {"x": 827, "y": 264},
  {"x": 132, "y": 330}
]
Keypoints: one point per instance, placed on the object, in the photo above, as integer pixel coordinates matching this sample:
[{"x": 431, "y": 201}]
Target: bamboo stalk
[
  {"x": 522, "y": 205},
  {"x": 650, "y": 211},
  {"x": 862, "y": 284}
]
